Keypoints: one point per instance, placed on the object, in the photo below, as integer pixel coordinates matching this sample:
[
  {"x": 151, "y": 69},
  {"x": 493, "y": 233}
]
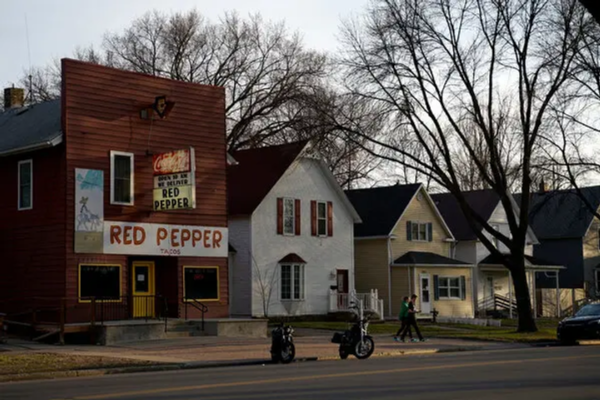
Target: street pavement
[{"x": 571, "y": 373}]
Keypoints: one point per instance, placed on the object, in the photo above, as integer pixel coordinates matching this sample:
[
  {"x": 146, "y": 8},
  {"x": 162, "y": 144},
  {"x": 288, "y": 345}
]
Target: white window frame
[
  {"x": 30, "y": 162},
  {"x": 597, "y": 280},
  {"x": 417, "y": 238},
  {"x": 112, "y": 177},
  {"x": 319, "y": 234},
  {"x": 598, "y": 231},
  {"x": 302, "y": 285},
  {"x": 293, "y": 232},
  {"x": 449, "y": 297}
]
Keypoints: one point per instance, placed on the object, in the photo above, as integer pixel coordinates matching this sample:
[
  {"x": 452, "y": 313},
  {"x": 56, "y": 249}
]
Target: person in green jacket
[{"x": 403, "y": 317}]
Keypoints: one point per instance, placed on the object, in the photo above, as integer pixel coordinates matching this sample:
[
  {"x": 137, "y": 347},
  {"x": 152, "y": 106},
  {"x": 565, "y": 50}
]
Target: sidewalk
[{"x": 215, "y": 350}]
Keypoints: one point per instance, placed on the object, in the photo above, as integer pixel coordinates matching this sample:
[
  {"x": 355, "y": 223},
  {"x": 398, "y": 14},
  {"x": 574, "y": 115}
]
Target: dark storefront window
[
  {"x": 100, "y": 281},
  {"x": 201, "y": 283}
]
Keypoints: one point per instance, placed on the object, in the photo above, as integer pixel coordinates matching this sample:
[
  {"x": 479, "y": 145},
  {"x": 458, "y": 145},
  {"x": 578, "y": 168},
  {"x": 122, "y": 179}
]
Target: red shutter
[
  {"x": 329, "y": 218},
  {"x": 280, "y": 216},
  {"x": 297, "y": 217},
  {"x": 313, "y": 218}
]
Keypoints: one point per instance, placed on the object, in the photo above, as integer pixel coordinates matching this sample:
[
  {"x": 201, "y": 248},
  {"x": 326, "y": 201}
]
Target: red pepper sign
[{"x": 172, "y": 162}]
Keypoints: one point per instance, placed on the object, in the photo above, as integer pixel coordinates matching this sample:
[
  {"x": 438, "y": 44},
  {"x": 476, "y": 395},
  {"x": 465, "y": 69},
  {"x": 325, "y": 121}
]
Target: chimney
[
  {"x": 13, "y": 97},
  {"x": 543, "y": 187}
]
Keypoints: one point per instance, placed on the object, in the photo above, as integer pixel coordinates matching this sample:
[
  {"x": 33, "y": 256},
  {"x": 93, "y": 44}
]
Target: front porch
[
  {"x": 343, "y": 302},
  {"x": 129, "y": 318},
  {"x": 495, "y": 294}
]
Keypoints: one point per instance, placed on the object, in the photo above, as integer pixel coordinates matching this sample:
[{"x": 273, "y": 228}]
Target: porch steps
[{"x": 183, "y": 328}]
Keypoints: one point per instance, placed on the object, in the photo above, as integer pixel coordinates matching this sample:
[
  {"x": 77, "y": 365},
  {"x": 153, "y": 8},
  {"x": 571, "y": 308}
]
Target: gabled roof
[
  {"x": 425, "y": 258},
  {"x": 562, "y": 213},
  {"x": 483, "y": 202},
  {"x": 380, "y": 208},
  {"x": 255, "y": 174},
  {"x": 30, "y": 128}
]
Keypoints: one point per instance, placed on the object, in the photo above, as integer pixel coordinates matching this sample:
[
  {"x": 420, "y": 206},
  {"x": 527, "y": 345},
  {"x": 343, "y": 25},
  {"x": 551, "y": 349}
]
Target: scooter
[
  {"x": 282, "y": 344},
  {"x": 356, "y": 340}
]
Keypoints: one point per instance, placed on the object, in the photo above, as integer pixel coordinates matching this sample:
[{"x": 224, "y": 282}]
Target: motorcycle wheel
[
  {"x": 364, "y": 349},
  {"x": 287, "y": 353},
  {"x": 343, "y": 353}
]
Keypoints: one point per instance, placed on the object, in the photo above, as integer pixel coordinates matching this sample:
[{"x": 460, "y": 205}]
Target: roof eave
[
  {"x": 435, "y": 265},
  {"x": 38, "y": 146}
]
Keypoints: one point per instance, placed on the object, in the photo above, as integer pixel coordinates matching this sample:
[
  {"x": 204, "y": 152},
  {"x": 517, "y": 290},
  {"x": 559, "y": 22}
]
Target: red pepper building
[{"x": 114, "y": 195}]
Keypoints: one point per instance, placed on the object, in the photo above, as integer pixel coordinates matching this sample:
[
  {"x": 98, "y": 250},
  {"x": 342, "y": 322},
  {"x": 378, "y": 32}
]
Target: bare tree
[
  {"x": 264, "y": 283},
  {"x": 431, "y": 66}
]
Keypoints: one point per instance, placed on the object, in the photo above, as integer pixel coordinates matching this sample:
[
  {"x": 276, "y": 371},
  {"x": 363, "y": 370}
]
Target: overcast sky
[{"x": 57, "y": 27}]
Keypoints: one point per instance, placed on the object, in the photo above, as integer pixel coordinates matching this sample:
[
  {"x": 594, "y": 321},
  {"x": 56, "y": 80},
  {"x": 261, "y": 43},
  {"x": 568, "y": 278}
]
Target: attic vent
[{"x": 419, "y": 196}]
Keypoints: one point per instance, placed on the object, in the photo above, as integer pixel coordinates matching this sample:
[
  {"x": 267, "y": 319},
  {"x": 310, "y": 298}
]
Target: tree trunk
[{"x": 526, "y": 320}]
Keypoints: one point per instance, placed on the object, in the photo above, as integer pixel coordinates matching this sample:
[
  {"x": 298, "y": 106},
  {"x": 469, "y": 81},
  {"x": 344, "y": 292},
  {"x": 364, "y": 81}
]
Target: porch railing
[{"x": 343, "y": 301}]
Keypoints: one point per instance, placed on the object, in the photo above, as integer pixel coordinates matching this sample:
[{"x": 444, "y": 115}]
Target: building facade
[{"x": 116, "y": 193}]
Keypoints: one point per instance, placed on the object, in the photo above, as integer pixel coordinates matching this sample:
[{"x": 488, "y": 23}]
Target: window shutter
[
  {"x": 430, "y": 231},
  {"x": 297, "y": 218},
  {"x": 436, "y": 288},
  {"x": 313, "y": 218},
  {"x": 280, "y": 216},
  {"x": 329, "y": 218},
  {"x": 409, "y": 231},
  {"x": 463, "y": 287}
]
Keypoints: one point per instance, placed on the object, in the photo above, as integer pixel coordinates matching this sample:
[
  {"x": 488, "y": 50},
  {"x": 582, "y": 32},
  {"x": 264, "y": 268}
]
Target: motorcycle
[
  {"x": 356, "y": 340},
  {"x": 282, "y": 344}
]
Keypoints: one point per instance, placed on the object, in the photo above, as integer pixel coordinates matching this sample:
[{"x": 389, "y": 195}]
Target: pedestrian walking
[
  {"x": 412, "y": 320},
  {"x": 403, "y": 317}
]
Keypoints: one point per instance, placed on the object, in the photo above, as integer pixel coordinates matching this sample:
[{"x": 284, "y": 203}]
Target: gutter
[
  {"x": 38, "y": 146},
  {"x": 375, "y": 237}
]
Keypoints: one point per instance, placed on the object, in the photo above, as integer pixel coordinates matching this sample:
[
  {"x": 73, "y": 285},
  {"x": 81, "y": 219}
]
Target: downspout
[{"x": 389, "y": 246}]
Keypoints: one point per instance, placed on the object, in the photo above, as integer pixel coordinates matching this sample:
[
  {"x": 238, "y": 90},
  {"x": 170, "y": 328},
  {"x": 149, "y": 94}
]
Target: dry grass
[{"x": 14, "y": 364}]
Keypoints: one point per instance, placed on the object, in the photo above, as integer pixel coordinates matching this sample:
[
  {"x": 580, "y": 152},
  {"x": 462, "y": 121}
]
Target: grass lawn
[
  {"x": 50, "y": 362},
  {"x": 547, "y": 330}
]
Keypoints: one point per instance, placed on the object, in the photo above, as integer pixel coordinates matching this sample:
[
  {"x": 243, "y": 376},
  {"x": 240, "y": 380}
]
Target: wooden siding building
[{"x": 117, "y": 189}]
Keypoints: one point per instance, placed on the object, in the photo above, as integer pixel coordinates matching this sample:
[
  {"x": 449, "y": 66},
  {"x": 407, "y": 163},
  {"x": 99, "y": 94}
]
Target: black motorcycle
[
  {"x": 356, "y": 340},
  {"x": 282, "y": 344}
]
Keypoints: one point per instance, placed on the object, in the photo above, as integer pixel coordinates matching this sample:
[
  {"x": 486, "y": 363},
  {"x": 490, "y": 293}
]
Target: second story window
[
  {"x": 321, "y": 218},
  {"x": 321, "y": 215},
  {"x": 495, "y": 240},
  {"x": 288, "y": 216},
  {"x": 121, "y": 178},
  {"x": 419, "y": 231},
  {"x": 25, "y": 185}
]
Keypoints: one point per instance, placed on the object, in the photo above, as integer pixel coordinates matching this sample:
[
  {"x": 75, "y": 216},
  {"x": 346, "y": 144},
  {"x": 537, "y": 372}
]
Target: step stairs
[{"x": 183, "y": 328}]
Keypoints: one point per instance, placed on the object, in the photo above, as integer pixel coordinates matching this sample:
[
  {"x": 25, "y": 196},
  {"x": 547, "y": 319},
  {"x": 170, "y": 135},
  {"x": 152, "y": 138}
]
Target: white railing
[{"x": 343, "y": 301}]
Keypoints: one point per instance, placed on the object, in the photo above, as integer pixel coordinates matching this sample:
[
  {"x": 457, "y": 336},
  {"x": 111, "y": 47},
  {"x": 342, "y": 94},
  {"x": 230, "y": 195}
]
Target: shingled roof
[
  {"x": 255, "y": 174},
  {"x": 380, "y": 207},
  {"x": 483, "y": 202},
  {"x": 562, "y": 213},
  {"x": 30, "y": 128}
]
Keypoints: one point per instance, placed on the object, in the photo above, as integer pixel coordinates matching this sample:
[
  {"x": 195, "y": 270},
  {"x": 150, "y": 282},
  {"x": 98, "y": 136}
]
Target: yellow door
[{"x": 143, "y": 289}]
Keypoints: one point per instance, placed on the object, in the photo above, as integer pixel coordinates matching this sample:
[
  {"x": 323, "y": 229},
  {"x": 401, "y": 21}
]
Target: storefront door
[{"x": 143, "y": 289}]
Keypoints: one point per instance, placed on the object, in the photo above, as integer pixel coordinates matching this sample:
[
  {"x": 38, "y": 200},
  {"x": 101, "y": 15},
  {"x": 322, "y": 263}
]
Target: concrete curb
[{"x": 206, "y": 364}]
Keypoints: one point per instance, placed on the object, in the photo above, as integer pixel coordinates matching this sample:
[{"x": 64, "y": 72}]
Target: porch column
[
  {"x": 534, "y": 294},
  {"x": 510, "y": 296},
  {"x": 558, "y": 310}
]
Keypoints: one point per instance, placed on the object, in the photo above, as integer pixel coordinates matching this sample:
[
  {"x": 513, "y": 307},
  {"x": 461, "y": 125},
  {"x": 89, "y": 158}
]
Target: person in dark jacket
[
  {"x": 403, "y": 317},
  {"x": 412, "y": 320}
]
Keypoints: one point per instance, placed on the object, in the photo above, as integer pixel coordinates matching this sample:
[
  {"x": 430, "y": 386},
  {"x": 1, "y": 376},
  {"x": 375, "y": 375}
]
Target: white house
[
  {"x": 492, "y": 281},
  {"x": 292, "y": 229}
]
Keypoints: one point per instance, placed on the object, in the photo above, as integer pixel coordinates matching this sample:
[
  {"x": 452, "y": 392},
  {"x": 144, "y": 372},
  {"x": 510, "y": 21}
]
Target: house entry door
[
  {"x": 342, "y": 288},
  {"x": 143, "y": 289},
  {"x": 425, "y": 294}
]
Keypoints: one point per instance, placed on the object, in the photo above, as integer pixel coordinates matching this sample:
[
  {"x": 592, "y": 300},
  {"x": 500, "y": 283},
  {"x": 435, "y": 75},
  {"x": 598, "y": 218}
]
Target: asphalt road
[{"x": 539, "y": 373}]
